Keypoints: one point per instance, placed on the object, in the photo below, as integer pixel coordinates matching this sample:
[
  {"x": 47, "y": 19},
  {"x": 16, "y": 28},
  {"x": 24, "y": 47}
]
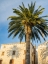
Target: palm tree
[{"x": 29, "y": 23}]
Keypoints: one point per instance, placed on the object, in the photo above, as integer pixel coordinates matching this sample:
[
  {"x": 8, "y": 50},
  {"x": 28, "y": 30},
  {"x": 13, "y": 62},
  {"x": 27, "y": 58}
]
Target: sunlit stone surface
[
  {"x": 15, "y": 53},
  {"x": 43, "y": 53}
]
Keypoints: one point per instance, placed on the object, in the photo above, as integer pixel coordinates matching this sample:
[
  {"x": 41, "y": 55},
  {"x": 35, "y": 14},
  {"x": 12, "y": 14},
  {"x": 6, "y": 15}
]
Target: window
[
  {"x": 0, "y": 61},
  {"x": 13, "y": 52},
  {"x": 2, "y": 53},
  {"x": 11, "y": 61}
]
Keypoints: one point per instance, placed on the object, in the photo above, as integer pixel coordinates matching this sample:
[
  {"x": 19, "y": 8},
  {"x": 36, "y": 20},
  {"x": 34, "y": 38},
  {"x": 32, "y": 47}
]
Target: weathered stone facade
[
  {"x": 15, "y": 53},
  {"x": 43, "y": 53}
]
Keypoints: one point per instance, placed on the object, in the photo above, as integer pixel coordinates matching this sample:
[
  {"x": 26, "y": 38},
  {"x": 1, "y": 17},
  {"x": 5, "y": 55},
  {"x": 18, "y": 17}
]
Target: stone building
[
  {"x": 15, "y": 53},
  {"x": 43, "y": 53}
]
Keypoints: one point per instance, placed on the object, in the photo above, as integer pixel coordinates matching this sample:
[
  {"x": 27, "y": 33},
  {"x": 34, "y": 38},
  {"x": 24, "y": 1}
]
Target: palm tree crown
[{"x": 28, "y": 17}]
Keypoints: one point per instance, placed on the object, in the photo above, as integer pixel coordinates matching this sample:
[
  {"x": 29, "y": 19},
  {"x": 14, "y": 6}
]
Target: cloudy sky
[{"x": 6, "y": 7}]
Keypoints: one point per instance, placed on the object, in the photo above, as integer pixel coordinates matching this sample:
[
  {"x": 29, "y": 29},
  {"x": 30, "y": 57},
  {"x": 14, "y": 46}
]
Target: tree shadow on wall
[
  {"x": 13, "y": 52},
  {"x": 44, "y": 53}
]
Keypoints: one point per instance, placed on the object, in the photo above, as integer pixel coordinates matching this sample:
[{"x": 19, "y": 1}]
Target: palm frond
[
  {"x": 36, "y": 34},
  {"x": 17, "y": 32},
  {"x": 29, "y": 17},
  {"x": 14, "y": 26},
  {"x": 23, "y": 5},
  {"x": 19, "y": 13},
  {"x": 39, "y": 11},
  {"x": 31, "y": 7},
  {"x": 21, "y": 35},
  {"x": 42, "y": 29},
  {"x": 14, "y": 18}
]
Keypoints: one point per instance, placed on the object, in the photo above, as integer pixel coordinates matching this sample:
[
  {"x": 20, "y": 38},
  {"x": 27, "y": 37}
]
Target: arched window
[
  {"x": 0, "y": 61},
  {"x": 11, "y": 61}
]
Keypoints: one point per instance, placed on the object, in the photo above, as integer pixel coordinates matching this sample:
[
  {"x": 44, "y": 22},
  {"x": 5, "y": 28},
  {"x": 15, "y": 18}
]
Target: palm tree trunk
[
  {"x": 27, "y": 48},
  {"x": 28, "y": 33}
]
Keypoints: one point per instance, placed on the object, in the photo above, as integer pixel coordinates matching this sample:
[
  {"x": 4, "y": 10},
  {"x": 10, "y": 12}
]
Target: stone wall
[
  {"x": 43, "y": 53},
  {"x": 15, "y": 53}
]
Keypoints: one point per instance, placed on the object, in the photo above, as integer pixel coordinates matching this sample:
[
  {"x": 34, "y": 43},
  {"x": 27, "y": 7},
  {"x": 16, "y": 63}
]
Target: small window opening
[
  {"x": 13, "y": 52},
  {"x": 2, "y": 53}
]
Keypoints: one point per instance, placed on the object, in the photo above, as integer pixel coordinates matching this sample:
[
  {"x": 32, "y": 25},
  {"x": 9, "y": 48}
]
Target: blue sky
[{"x": 6, "y": 7}]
